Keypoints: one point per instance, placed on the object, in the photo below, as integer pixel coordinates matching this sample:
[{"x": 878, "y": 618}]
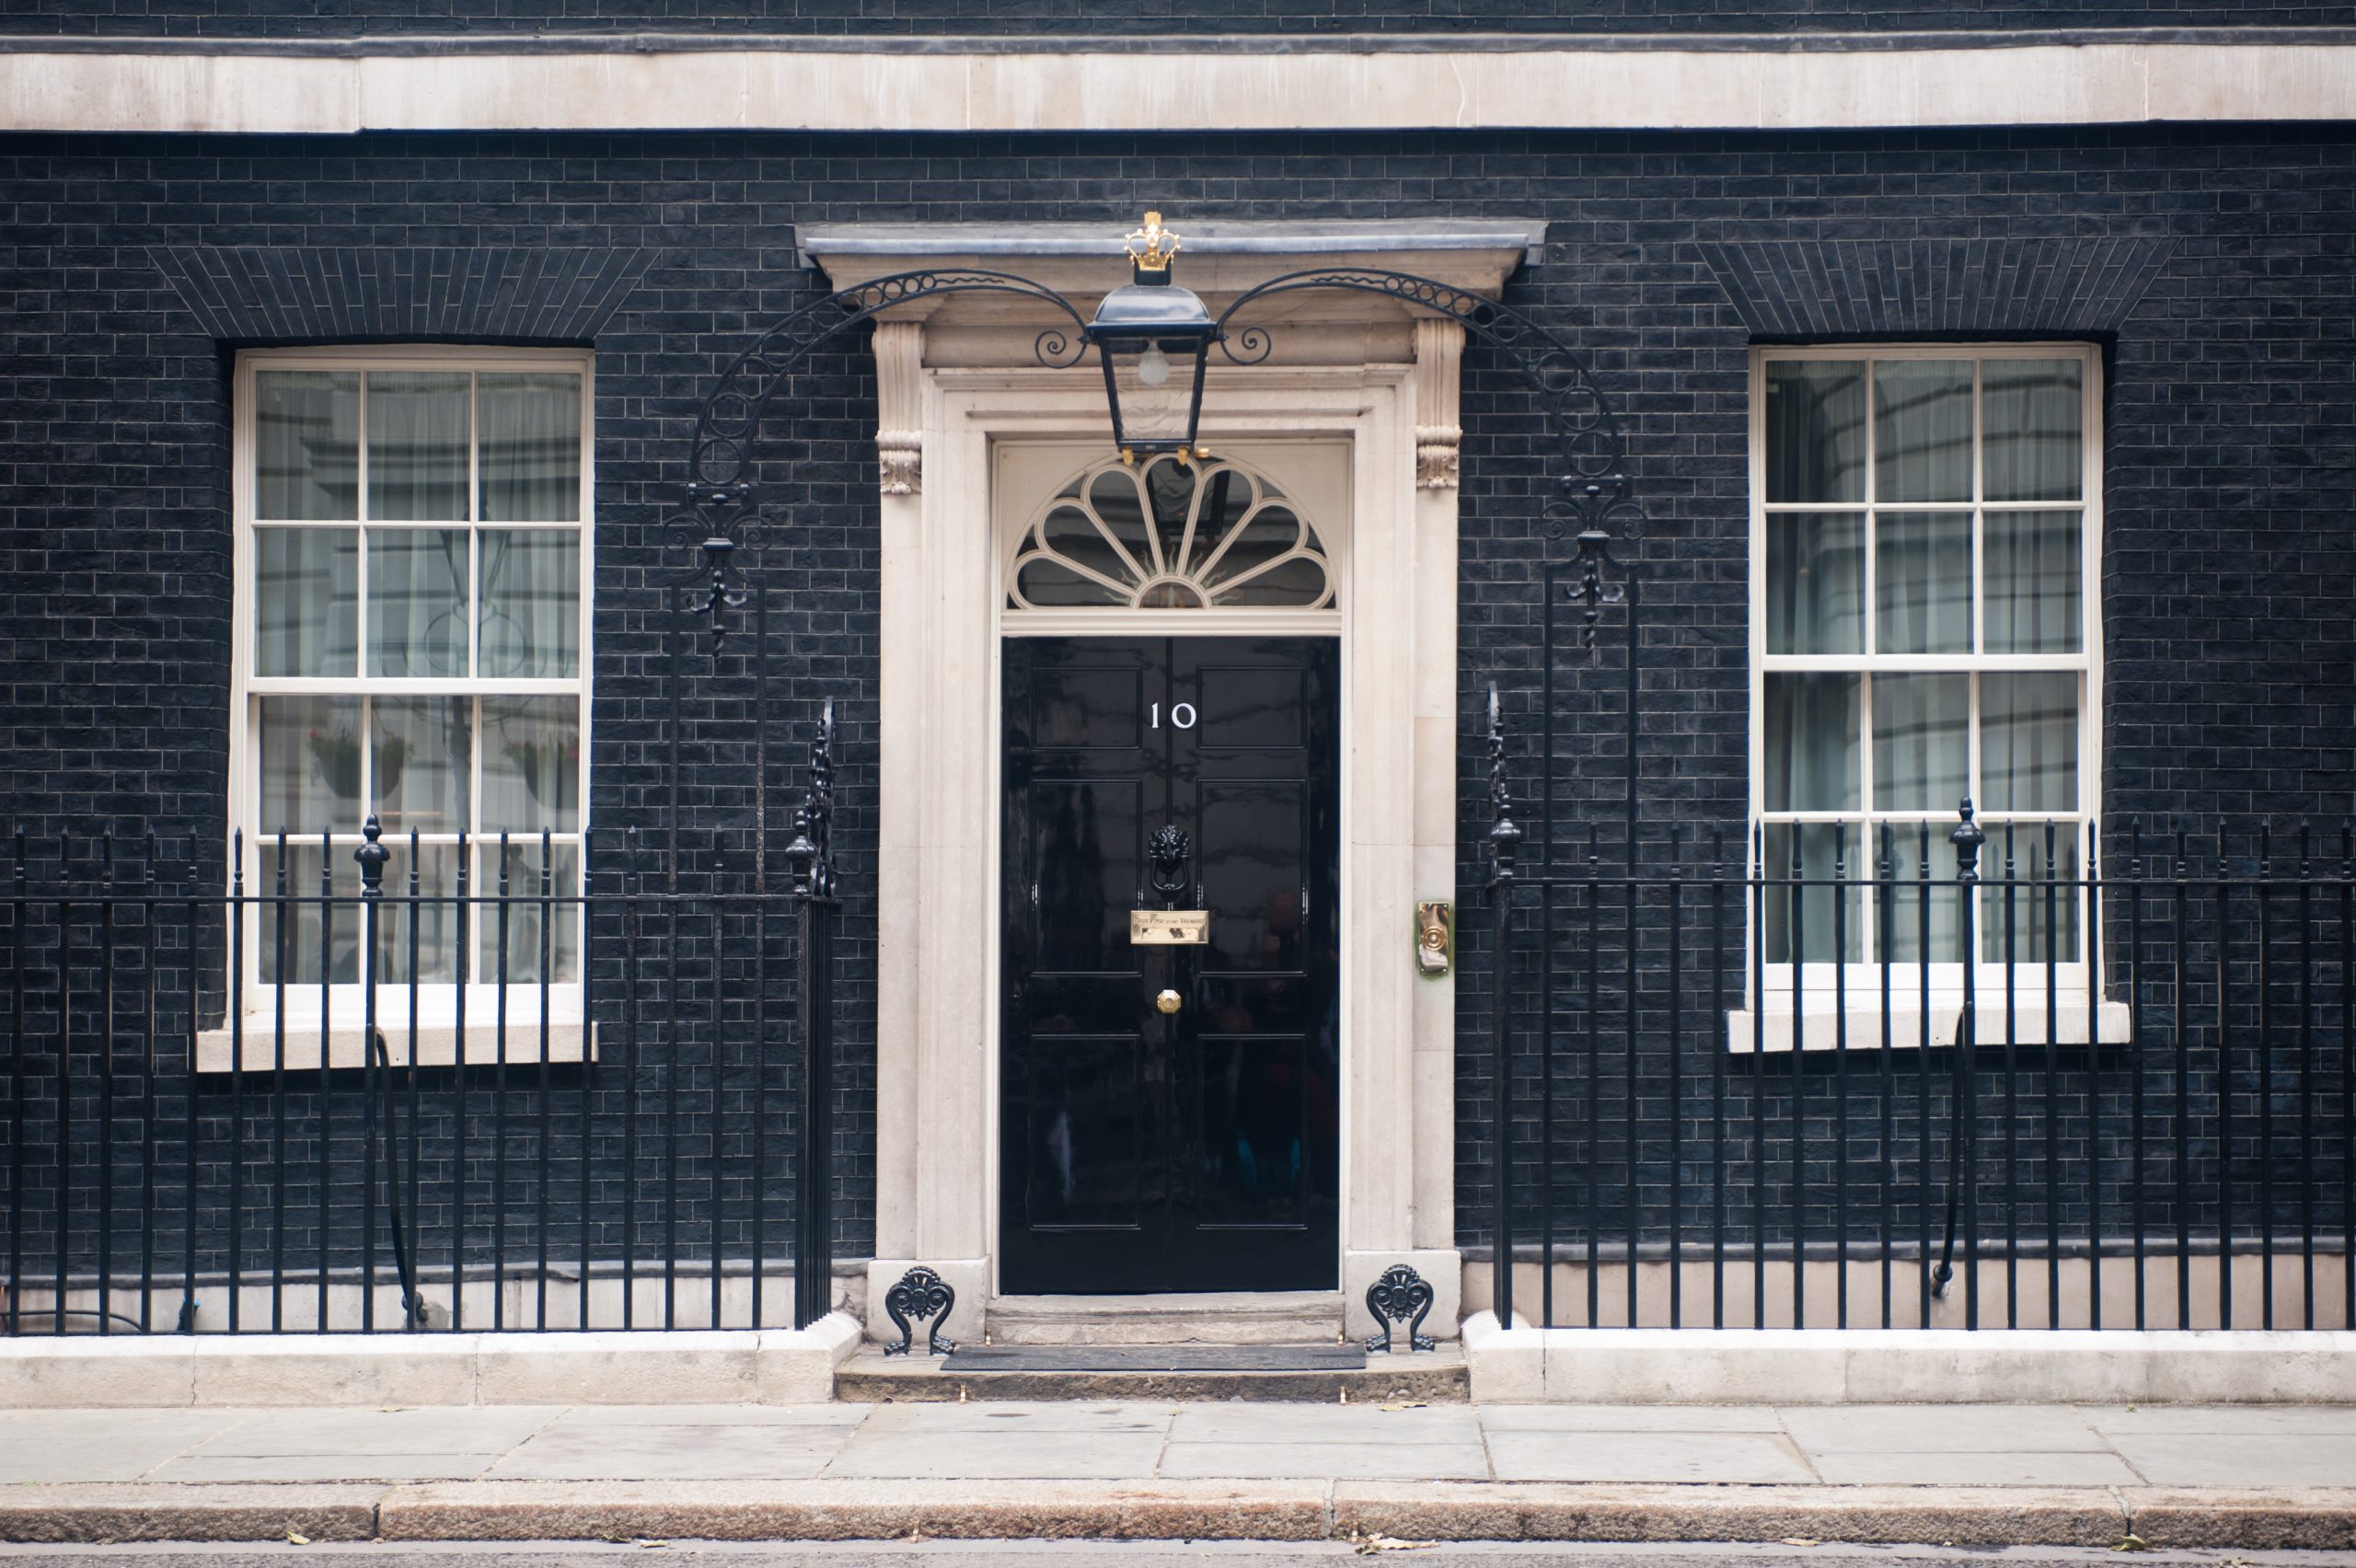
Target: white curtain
[
  {"x": 530, "y": 448},
  {"x": 417, "y": 446}
]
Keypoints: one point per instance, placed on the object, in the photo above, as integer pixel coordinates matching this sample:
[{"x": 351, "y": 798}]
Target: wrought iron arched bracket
[
  {"x": 733, "y": 414},
  {"x": 720, "y": 513},
  {"x": 1593, "y": 495}
]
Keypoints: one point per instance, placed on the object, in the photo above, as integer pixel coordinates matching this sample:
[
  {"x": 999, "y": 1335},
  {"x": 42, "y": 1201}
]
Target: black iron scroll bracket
[
  {"x": 925, "y": 1296},
  {"x": 1400, "y": 1296},
  {"x": 1592, "y": 492}
]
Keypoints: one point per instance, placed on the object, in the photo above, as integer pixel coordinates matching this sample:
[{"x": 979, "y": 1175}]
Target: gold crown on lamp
[{"x": 1151, "y": 247}]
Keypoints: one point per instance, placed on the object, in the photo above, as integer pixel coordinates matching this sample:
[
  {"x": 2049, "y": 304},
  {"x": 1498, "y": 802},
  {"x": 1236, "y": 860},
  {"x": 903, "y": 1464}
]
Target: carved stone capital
[
  {"x": 899, "y": 376},
  {"x": 1436, "y": 454},
  {"x": 1440, "y": 356},
  {"x": 902, "y": 455}
]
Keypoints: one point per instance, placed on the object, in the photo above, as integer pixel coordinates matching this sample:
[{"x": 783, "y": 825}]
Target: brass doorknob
[{"x": 1167, "y": 1001}]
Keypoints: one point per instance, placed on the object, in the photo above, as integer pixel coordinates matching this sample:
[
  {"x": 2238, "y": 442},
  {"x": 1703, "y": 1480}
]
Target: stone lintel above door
[
  {"x": 1219, "y": 257},
  {"x": 1218, "y": 260}
]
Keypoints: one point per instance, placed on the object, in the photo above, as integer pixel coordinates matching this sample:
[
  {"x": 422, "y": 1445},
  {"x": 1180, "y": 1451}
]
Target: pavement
[{"x": 2239, "y": 1477}]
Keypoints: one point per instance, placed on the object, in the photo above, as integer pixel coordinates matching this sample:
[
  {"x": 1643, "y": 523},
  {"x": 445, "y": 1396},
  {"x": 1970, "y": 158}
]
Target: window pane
[
  {"x": 2031, "y": 438},
  {"x": 1816, "y": 583},
  {"x": 2018, "y": 914},
  {"x": 2028, "y": 742},
  {"x": 437, "y": 916},
  {"x": 531, "y": 448},
  {"x": 531, "y": 764},
  {"x": 417, "y": 607},
  {"x": 306, "y": 597},
  {"x": 1816, "y": 430},
  {"x": 1809, "y": 905},
  {"x": 1920, "y": 725},
  {"x": 306, "y": 441},
  {"x": 289, "y": 932},
  {"x": 512, "y": 950},
  {"x": 1923, "y": 430},
  {"x": 531, "y": 602},
  {"x": 2033, "y": 581},
  {"x": 417, "y": 445},
  {"x": 419, "y": 753},
  {"x": 1922, "y": 582},
  {"x": 310, "y": 763},
  {"x": 1911, "y": 911},
  {"x": 1811, "y": 764}
]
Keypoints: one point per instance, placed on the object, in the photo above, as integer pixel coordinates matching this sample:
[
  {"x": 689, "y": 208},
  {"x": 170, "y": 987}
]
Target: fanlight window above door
[{"x": 1169, "y": 534}]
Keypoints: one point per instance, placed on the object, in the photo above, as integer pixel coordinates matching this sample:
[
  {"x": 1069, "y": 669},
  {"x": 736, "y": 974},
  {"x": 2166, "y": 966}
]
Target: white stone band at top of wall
[{"x": 1301, "y": 87}]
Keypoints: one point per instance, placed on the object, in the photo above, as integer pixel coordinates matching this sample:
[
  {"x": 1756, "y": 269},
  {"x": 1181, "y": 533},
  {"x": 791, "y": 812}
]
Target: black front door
[{"x": 1170, "y": 1112}]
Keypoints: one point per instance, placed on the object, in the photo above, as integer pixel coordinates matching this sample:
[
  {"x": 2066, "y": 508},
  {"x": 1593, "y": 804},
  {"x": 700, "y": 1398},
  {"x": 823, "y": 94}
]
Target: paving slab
[
  {"x": 1373, "y": 1461},
  {"x": 268, "y": 1469},
  {"x": 1991, "y": 1429},
  {"x": 1013, "y": 1415},
  {"x": 622, "y": 1418},
  {"x": 1726, "y": 1458},
  {"x": 81, "y": 1444},
  {"x": 1969, "y": 1467},
  {"x": 2240, "y": 1459},
  {"x": 2117, "y": 1420},
  {"x": 422, "y": 1429},
  {"x": 672, "y": 1453},
  {"x": 1630, "y": 1418},
  {"x": 1254, "y": 1423},
  {"x": 999, "y": 1456}
]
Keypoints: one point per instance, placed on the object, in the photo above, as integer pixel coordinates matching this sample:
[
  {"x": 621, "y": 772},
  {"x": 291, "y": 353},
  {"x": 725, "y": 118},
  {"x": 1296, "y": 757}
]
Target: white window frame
[
  {"x": 437, "y": 1002},
  {"x": 1821, "y": 982}
]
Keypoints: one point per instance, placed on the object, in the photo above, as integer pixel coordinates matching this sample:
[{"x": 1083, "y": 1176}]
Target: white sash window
[
  {"x": 1926, "y": 626},
  {"x": 413, "y": 631}
]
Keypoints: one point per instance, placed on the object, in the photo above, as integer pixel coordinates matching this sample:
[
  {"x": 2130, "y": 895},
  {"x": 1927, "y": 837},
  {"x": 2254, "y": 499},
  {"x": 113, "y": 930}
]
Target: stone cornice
[{"x": 1301, "y": 83}]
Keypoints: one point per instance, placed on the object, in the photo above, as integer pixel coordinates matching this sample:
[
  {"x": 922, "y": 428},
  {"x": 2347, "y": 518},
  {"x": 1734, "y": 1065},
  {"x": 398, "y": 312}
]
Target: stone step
[
  {"x": 1428, "y": 1376},
  {"x": 1284, "y": 1317}
]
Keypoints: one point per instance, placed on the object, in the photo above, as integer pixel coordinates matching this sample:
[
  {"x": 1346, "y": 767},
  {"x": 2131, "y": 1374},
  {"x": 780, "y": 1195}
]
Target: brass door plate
[
  {"x": 1170, "y": 928},
  {"x": 1435, "y": 937}
]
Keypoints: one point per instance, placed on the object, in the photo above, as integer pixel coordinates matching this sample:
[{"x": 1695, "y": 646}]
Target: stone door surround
[{"x": 1354, "y": 375}]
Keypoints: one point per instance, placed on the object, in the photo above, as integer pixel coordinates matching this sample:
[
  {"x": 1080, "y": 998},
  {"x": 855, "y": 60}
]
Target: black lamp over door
[{"x": 1153, "y": 339}]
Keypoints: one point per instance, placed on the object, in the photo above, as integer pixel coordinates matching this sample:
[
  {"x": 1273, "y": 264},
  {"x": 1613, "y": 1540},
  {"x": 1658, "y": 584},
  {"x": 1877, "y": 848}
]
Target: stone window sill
[
  {"x": 255, "y": 1045},
  {"x": 1820, "y": 1029}
]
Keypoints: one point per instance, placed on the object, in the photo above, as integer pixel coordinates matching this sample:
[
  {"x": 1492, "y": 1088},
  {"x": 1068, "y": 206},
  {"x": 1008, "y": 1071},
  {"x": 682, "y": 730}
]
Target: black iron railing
[
  {"x": 1923, "y": 1074},
  {"x": 545, "y": 1099}
]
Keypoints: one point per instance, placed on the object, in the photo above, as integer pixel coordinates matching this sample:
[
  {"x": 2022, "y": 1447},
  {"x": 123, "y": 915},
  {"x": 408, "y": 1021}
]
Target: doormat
[{"x": 1157, "y": 1358}]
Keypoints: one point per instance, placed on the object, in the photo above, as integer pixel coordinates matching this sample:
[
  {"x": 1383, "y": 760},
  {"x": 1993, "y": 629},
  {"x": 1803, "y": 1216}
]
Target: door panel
[{"x": 1193, "y": 1150}]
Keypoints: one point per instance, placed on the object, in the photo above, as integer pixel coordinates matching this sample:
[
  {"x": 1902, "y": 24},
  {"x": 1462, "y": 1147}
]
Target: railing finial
[
  {"x": 372, "y": 857},
  {"x": 1505, "y": 838}
]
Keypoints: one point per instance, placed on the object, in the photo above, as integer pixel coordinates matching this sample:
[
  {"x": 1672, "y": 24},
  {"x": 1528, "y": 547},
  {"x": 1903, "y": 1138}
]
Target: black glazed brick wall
[
  {"x": 2230, "y": 397},
  {"x": 314, "y": 19}
]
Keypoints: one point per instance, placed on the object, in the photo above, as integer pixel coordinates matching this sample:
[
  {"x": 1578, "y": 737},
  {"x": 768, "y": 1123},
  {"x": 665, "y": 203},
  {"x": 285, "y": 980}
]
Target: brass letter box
[{"x": 1170, "y": 928}]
